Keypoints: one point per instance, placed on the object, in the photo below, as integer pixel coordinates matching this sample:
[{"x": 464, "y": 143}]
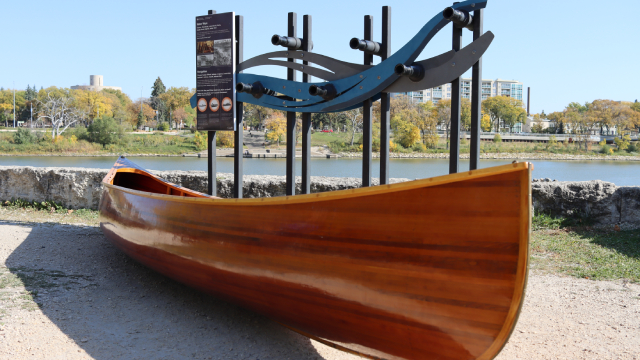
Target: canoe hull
[{"x": 434, "y": 268}]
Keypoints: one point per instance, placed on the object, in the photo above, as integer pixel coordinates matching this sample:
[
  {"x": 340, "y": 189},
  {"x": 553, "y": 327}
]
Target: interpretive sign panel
[{"x": 215, "y": 72}]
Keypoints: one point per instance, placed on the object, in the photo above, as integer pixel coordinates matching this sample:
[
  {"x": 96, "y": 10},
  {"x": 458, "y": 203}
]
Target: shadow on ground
[{"x": 114, "y": 308}]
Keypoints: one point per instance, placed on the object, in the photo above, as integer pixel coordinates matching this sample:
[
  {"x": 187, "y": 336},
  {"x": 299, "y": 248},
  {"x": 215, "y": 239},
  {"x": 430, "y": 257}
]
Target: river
[{"x": 621, "y": 173}]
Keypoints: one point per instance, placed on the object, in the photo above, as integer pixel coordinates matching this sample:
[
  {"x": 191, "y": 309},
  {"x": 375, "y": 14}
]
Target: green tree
[
  {"x": 104, "y": 130},
  {"x": 158, "y": 88},
  {"x": 504, "y": 111},
  {"x": 156, "y": 102}
]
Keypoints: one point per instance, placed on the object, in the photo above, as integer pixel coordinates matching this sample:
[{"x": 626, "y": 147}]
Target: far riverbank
[{"x": 225, "y": 152}]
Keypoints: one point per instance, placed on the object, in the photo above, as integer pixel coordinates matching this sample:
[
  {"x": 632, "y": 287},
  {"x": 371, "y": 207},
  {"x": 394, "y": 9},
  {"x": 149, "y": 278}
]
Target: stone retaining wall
[{"x": 75, "y": 188}]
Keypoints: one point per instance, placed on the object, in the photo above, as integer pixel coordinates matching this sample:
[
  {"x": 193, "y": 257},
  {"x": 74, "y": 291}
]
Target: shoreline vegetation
[{"x": 74, "y": 143}]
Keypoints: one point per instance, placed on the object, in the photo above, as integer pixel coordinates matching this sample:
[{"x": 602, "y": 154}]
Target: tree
[
  {"x": 156, "y": 103},
  {"x": 635, "y": 106},
  {"x": 92, "y": 104},
  {"x": 427, "y": 122},
  {"x": 176, "y": 98},
  {"x": 158, "y": 88},
  {"x": 256, "y": 115},
  {"x": 59, "y": 111},
  {"x": 277, "y": 127},
  {"x": 185, "y": 115},
  {"x": 355, "y": 122},
  {"x": 537, "y": 124},
  {"x": 465, "y": 114},
  {"x": 138, "y": 106},
  {"x": 485, "y": 123},
  {"x": 443, "y": 116},
  {"x": 504, "y": 111},
  {"x": 104, "y": 130}
]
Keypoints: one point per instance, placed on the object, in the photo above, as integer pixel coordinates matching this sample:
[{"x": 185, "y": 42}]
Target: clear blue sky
[{"x": 564, "y": 50}]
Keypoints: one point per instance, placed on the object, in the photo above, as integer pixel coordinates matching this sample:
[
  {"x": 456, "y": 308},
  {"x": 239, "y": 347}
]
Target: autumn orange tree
[{"x": 277, "y": 127}]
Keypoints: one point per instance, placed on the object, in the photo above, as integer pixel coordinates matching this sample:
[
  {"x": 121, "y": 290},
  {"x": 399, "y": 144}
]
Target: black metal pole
[
  {"x": 385, "y": 100},
  {"x": 529, "y": 101},
  {"x": 238, "y": 134},
  {"x": 291, "y": 118},
  {"x": 366, "y": 112},
  {"x": 306, "y": 117},
  {"x": 211, "y": 154},
  {"x": 211, "y": 162},
  {"x": 476, "y": 96},
  {"x": 454, "y": 147}
]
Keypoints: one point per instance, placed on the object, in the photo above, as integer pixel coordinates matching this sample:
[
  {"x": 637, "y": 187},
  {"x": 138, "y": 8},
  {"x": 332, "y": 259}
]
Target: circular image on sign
[
  {"x": 214, "y": 104},
  {"x": 202, "y": 104},
  {"x": 227, "y": 104}
]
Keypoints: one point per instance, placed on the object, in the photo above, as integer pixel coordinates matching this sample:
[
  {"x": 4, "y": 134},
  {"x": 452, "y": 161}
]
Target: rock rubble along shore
[{"x": 602, "y": 202}]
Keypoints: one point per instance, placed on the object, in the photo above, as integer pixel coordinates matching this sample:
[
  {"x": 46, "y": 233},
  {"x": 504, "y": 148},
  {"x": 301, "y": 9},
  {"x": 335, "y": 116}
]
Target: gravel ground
[{"x": 71, "y": 295}]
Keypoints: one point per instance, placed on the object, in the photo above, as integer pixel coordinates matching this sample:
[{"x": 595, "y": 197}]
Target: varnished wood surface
[{"x": 429, "y": 269}]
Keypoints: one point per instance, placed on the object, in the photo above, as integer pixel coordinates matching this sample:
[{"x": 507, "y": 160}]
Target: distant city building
[
  {"x": 490, "y": 88},
  {"x": 96, "y": 82},
  {"x": 499, "y": 87}
]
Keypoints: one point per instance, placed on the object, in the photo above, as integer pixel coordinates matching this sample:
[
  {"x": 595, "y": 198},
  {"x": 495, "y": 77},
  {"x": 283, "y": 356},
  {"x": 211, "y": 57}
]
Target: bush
[
  {"x": 163, "y": 126},
  {"x": 224, "y": 139},
  {"x": 497, "y": 138},
  {"x": 632, "y": 148},
  {"x": 79, "y": 132},
  {"x": 24, "y": 136},
  {"x": 606, "y": 149},
  {"x": 200, "y": 139},
  {"x": 419, "y": 147},
  {"x": 623, "y": 143}
]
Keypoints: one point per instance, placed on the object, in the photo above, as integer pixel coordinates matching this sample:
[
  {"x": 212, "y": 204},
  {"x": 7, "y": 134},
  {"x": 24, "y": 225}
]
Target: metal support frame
[
  {"x": 238, "y": 134},
  {"x": 211, "y": 154},
  {"x": 476, "y": 96},
  {"x": 366, "y": 111},
  {"x": 306, "y": 117},
  {"x": 385, "y": 100},
  {"x": 291, "y": 118},
  {"x": 454, "y": 139}
]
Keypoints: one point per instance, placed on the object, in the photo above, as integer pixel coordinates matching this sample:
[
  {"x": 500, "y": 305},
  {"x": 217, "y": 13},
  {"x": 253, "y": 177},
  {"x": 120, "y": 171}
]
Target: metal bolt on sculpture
[{"x": 348, "y": 86}]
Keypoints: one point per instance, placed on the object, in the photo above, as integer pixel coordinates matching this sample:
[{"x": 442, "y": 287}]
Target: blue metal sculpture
[{"x": 350, "y": 84}]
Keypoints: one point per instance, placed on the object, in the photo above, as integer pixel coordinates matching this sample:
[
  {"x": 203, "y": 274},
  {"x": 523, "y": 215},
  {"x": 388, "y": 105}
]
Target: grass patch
[
  {"x": 585, "y": 252},
  {"x": 46, "y": 212}
]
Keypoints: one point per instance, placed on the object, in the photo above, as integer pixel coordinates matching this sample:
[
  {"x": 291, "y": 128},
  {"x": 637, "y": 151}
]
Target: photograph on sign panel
[
  {"x": 205, "y": 60},
  {"x": 204, "y": 47},
  {"x": 222, "y": 52}
]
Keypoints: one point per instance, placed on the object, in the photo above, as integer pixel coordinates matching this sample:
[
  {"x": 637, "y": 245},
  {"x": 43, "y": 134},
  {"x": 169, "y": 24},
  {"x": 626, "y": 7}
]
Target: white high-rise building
[{"x": 498, "y": 87}]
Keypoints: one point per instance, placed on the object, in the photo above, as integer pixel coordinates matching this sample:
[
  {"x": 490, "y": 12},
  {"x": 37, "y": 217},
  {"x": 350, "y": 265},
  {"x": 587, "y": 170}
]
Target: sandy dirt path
[{"x": 66, "y": 293}]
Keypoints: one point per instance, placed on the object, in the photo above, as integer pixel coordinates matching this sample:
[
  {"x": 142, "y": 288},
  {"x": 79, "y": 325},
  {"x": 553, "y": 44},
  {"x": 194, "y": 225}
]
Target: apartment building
[{"x": 498, "y": 87}]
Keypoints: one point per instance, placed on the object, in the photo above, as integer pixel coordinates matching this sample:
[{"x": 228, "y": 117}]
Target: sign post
[{"x": 215, "y": 80}]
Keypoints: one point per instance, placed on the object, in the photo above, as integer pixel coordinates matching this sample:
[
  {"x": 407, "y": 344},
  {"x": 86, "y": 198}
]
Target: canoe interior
[{"x": 433, "y": 268}]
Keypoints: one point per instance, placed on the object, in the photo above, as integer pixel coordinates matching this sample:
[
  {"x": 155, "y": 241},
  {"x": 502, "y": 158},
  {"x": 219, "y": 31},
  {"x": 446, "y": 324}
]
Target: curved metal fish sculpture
[{"x": 348, "y": 85}]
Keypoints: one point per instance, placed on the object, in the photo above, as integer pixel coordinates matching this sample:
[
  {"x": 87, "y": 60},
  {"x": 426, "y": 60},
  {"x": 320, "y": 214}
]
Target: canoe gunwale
[{"x": 315, "y": 197}]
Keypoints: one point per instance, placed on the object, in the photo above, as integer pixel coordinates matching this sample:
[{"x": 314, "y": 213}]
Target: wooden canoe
[{"x": 427, "y": 269}]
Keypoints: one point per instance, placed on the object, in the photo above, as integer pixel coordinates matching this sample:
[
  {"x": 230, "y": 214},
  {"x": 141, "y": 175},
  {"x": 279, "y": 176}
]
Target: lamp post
[{"x": 14, "y": 104}]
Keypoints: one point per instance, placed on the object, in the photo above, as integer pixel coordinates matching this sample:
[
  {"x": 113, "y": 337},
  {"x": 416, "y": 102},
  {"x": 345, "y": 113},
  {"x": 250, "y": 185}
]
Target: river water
[{"x": 621, "y": 173}]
